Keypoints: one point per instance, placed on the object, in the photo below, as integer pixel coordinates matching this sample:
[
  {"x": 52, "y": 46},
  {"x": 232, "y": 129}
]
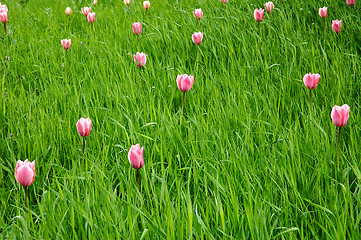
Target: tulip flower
[
  {"x": 336, "y": 27},
  {"x": 135, "y": 156},
  {"x": 311, "y": 81},
  {"x": 146, "y": 5},
  {"x": 323, "y": 13},
  {"x": 66, "y": 44},
  {"x": 25, "y": 172},
  {"x": 4, "y": 19},
  {"x": 91, "y": 19},
  {"x": 136, "y": 159},
  {"x": 350, "y": 2},
  {"x": 68, "y": 11},
  {"x": 84, "y": 127},
  {"x": 140, "y": 59},
  {"x": 137, "y": 28},
  {"x": 184, "y": 83},
  {"x": 86, "y": 11},
  {"x": 269, "y": 6},
  {"x": 198, "y": 14},
  {"x": 95, "y": 2},
  {"x": 25, "y": 175},
  {"x": 197, "y": 37},
  {"x": 3, "y": 8},
  {"x": 224, "y": 1},
  {"x": 258, "y": 15},
  {"x": 127, "y": 2},
  {"x": 339, "y": 116}
]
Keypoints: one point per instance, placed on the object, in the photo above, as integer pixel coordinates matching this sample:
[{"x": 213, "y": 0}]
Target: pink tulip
[
  {"x": 84, "y": 126},
  {"x": 336, "y": 25},
  {"x": 135, "y": 156},
  {"x": 86, "y": 10},
  {"x": 198, "y": 14},
  {"x": 137, "y": 28},
  {"x": 311, "y": 80},
  {"x": 340, "y": 115},
  {"x": 269, "y": 6},
  {"x": 224, "y": 1},
  {"x": 146, "y": 5},
  {"x": 68, "y": 11},
  {"x": 25, "y": 172},
  {"x": 350, "y": 2},
  {"x": 3, "y": 8},
  {"x": 258, "y": 14},
  {"x": 127, "y": 2},
  {"x": 140, "y": 59},
  {"x": 4, "y": 17},
  {"x": 185, "y": 82},
  {"x": 91, "y": 17},
  {"x": 197, "y": 37},
  {"x": 66, "y": 43},
  {"x": 323, "y": 12}
]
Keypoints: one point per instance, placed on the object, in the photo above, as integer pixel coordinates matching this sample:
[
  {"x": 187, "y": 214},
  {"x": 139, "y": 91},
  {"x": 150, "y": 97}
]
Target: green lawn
[{"x": 252, "y": 158}]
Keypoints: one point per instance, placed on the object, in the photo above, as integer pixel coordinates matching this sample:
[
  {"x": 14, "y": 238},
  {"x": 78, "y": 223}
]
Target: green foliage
[{"x": 253, "y": 159}]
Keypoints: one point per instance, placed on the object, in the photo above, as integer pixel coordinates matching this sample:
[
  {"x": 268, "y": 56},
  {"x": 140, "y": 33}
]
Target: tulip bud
[
  {"x": 258, "y": 14},
  {"x": 68, "y": 11},
  {"x": 25, "y": 172},
  {"x": 323, "y": 12},
  {"x": 350, "y": 2},
  {"x": 269, "y": 6},
  {"x": 146, "y": 5},
  {"x": 197, "y": 37},
  {"x": 137, "y": 28},
  {"x": 86, "y": 10},
  {"x": 140, "y": 59},
  {"x": 336, "y": 25},
  {"x": 4, "y": 17},
  {"x": 340, "y": 115},
  {"x": 91, "y": 17},
  {"x": 198, "y": 14},
  {"x": 84, "y": 126},
  {"x": 185, "y": 82},
  {"x": 135, "y": 156},
  {"x": 311, "y": 80},
  {"x": 66, "y": 43}
]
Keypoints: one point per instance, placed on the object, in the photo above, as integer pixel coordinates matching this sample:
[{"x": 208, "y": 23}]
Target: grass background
[{"x": 252, "y": 158}]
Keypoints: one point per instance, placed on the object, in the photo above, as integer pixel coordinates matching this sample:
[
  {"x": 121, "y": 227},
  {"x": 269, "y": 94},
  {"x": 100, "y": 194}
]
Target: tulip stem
[
  {"x": 91, "y": 24},
  {"x": 324, "y": 25},
  {"x": 5, "y": 28},
  {"x": 338, "y": 147},
  {"x": 138, "y": 179},
  {"x": 259, "y": 27},
  {"x": 184, "y": 95},
  {"x": 26, "y": 200},
  {"x": 66, "y": 52},
  {"x": 310, "y": 96},
  {"x": 197, "y": 54},
  {"x": 83, "y": 149},
  {"x": 337, "y": 39}
]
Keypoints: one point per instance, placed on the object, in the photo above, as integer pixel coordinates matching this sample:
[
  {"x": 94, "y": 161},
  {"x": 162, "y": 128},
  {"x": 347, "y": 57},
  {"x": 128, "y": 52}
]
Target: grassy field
[{"x": 252, "y": 159}]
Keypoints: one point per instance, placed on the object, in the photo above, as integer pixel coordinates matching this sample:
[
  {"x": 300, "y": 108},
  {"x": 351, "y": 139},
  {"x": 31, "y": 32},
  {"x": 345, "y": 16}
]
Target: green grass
[{"x": 252, "y": 158}]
